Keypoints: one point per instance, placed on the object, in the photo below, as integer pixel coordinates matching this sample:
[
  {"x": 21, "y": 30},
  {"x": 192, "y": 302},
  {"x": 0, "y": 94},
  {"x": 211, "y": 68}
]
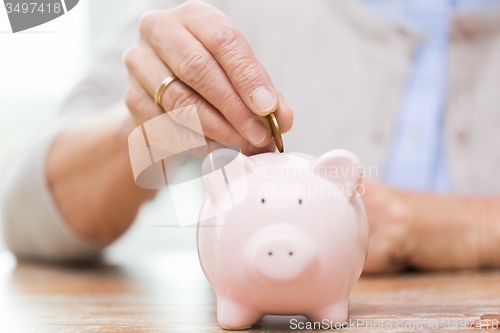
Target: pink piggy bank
[{"x": 287, "y": 235}]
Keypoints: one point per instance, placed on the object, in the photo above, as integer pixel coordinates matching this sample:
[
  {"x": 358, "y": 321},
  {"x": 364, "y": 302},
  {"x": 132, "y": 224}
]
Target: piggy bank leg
[
  {"x": 234, "y": 316},
  {"x": 335, "y": 313}
]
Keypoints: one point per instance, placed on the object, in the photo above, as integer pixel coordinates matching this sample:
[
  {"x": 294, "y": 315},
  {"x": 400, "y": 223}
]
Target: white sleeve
[{"x": 32, "y": 225}]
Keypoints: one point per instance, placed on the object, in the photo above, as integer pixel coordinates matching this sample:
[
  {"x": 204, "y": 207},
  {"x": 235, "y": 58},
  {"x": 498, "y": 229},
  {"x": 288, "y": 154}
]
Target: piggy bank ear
[
  {"x": 224, "y": 173},
  {"x": 341, "y": 167}
]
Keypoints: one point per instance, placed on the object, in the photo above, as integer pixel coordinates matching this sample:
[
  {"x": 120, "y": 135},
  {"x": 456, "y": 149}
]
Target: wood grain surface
[{"x": 167, "y": 292}]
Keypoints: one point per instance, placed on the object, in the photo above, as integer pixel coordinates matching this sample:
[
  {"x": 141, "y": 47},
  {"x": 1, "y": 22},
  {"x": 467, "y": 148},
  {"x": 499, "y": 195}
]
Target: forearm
[
  {"x": 454, "y": 232},
  {"x": 89, "y": 173},
  {"x": 430, "y": 232}
]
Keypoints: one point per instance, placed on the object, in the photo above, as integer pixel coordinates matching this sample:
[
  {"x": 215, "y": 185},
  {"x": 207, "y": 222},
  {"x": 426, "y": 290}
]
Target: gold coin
[{"x": 276, "y": 132}]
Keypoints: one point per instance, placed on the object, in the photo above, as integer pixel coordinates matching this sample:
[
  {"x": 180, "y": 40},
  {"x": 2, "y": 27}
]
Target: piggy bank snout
[{"x": 281, "y": 253}]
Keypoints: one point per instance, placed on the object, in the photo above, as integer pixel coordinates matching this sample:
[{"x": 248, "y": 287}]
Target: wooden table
[{"x": 168, "y": 293}]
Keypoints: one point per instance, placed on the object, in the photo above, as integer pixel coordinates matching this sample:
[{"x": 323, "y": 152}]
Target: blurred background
[{"x": 47, "y": 61}]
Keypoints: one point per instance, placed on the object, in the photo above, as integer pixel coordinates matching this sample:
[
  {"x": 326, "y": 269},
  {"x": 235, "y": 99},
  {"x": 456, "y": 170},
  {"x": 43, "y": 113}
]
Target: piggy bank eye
[
  {"x": 263, "y": 200},
  {"x": 300, "y": 201}
]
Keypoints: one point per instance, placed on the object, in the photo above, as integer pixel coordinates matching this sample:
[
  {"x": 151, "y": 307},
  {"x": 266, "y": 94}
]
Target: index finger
[{"x": 233, "y": 53}]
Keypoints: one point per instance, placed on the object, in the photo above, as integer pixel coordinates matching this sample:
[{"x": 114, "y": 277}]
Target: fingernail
[
  {"x": 263, "y": 99},
  {"x": 256, "y": 132}
]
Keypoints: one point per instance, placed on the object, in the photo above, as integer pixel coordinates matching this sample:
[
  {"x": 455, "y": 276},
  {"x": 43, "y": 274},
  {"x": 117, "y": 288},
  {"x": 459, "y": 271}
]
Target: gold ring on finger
[{"x": 161, "y": 89}]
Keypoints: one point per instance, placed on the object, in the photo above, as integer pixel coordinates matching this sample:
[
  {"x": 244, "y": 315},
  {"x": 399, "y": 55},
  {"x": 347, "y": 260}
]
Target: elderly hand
[
  {"x": 88, "y": 168},
  {"x": 425, "y": 231},
  {"x": 218, "y": 73}
]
